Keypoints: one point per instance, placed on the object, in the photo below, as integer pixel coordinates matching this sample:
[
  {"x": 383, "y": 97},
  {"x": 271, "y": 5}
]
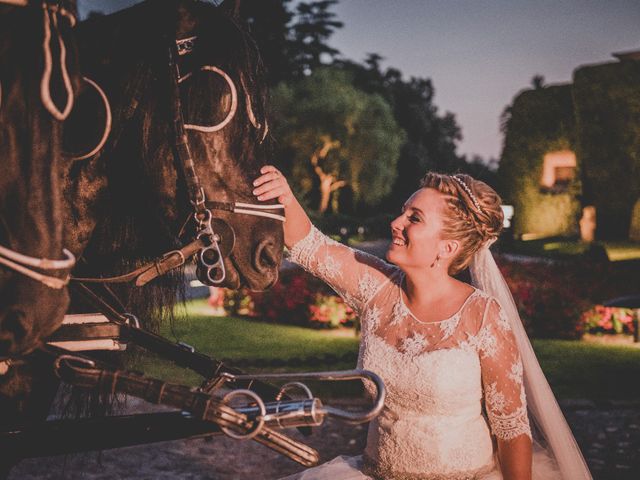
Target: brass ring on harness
[{"x": 258, "y": 421}]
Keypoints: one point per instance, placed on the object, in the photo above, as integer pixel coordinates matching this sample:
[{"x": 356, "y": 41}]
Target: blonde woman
[{"x": 463, "y": 384}]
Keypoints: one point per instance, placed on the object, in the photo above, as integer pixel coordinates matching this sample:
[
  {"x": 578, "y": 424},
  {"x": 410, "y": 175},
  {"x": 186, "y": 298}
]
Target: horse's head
[
  {"x": 33, "y": 265},
  {"x": 223, "y": 106},
  {"x": 221, "y": 97}
]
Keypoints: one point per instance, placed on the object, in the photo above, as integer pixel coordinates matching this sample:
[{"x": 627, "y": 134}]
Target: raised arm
[
  {"x": 504, "y": 395},
  {"x": 354, "y": 275},
  {"x": 272, "y": 184}
]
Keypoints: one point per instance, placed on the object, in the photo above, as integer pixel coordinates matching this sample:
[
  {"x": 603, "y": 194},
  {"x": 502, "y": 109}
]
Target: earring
[{"x": 436, "y": 262}]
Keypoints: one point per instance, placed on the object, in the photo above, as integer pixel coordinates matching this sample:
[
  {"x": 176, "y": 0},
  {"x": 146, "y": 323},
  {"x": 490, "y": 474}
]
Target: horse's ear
[{"x": 231, "y": 7}]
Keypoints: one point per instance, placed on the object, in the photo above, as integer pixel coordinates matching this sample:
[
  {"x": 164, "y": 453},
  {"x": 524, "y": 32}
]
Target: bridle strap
[
  {"x": 25, "y": 264},
  {"x": 183, "y": 152},
  {"x": 177, "y": 258},
  {"x": 151, "y": 270},
  {"x": 50, "y": 16}
]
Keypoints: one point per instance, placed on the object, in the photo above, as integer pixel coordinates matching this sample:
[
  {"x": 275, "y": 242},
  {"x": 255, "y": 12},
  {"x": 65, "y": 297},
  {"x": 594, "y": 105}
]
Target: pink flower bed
[
  {"x": 555, "y": 300},
  {"x": 296, "y": 299}
]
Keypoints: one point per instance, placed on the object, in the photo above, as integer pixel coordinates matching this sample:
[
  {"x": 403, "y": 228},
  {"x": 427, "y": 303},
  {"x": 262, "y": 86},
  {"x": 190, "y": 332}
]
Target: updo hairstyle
[{"x": 463, "y": 220}]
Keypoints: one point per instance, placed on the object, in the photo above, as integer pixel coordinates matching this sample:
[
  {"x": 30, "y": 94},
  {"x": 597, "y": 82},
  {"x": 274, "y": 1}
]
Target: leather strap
[
  {"x": 180, "y": 354},
  {"x": 144, "y": 274}
]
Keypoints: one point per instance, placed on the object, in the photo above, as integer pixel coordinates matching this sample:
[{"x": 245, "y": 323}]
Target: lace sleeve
[
  {"x": 356, "y": 276},
  {"x": 504, "y": 395}
]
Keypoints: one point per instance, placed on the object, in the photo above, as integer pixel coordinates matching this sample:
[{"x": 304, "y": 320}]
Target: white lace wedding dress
[{"x": 453, "y": 386}]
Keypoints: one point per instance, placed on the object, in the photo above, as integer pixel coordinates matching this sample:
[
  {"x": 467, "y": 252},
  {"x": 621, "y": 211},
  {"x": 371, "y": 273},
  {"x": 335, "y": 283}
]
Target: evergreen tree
[
  {"x": 314, "y": 25},
  {"x": 268, "y": 21}
]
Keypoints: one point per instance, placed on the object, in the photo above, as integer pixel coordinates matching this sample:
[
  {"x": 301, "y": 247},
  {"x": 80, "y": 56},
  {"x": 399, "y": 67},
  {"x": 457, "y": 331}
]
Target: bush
[
  {"x": 538, "y": 122},
  {"x": 553, "y": 296},
  {"x": 298, "y": 298},
  {"x": 609, "y": 320},
  {"x": 607, "y": 112},
  {"x": 549, "y": 301},
  {"x": 330, "y": 311}
]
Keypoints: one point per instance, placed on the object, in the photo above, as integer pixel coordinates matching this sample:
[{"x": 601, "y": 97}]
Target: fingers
[
  {"x": 269, "y": 172},
  {"x": 268, "y": 168},
  {"x": 269, "y": 184},
  {"x": 267, "y": 177},
  {"x": 279, "y": 186},
  {"x": 278, "y": 192},
  {"x": 272, "y": 184}
]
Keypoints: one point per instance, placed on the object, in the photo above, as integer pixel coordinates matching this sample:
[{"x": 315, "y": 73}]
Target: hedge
[
  {"x": 607, "y": 109},
  {"x": 540, "y": 121}
]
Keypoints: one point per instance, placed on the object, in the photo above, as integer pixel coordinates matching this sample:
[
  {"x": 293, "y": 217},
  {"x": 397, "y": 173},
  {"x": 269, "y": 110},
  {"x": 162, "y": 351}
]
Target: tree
[
  {"x": 268, "y": 22},
  {"x": 336, "y": 136},
  {"x": 537, "y": 82},
  {"x": 314, "y": 24},
  {"x": 432, "y": 137}
]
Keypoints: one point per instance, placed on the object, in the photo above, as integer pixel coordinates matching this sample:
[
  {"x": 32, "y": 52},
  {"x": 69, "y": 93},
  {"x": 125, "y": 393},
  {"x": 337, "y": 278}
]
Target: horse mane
[{"x": 136, "y": 223}]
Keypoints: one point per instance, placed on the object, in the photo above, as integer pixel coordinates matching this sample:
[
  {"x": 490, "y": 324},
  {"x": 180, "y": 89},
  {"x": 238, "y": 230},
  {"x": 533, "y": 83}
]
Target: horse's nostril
[{"x": 265, "y": 257}]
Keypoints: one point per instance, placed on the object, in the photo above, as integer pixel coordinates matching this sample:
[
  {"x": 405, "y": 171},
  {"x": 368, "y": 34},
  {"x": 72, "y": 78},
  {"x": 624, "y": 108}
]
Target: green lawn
[
  {"x": 574, "y": 369},
  {"x": 586, "y": 370},
  {"x": 237, "y": 338}
]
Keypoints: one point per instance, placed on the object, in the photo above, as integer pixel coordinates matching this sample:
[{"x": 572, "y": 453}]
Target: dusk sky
[{"x": 479, "y": 54}]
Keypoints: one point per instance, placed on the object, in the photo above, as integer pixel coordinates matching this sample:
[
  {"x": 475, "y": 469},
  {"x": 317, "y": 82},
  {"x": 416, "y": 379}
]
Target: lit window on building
[{"x": 558, "y": 171}]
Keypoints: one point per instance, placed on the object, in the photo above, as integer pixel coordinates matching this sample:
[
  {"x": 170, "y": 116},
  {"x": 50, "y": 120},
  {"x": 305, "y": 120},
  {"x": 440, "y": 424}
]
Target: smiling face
[{"x": 417, "y": 232}]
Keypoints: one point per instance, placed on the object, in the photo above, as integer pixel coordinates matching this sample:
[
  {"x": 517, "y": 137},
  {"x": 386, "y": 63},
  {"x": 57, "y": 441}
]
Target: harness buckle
[
  {"x": 186, "y": 346},
  {"x": 132, "y": 320}
]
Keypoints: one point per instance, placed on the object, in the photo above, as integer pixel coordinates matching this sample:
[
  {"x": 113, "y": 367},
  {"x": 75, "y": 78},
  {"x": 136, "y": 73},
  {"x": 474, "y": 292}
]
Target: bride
[{"x": 465, "y": 391}]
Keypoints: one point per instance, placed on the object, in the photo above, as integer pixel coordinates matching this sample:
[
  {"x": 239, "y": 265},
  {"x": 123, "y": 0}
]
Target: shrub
[
  {"x": 548, "y": 298},
  {"x": 298, "y": 298},
  {"x": 330, "y": 311},
  {"x": 601, "y": 319},
  {"x": 239, "y": 302}
]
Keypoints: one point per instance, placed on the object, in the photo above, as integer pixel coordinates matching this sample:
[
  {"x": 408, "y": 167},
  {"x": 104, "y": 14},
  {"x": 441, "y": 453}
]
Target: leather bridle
[
  {"x": 210, "y": 258},
  {"x": 214, "y": 238}
]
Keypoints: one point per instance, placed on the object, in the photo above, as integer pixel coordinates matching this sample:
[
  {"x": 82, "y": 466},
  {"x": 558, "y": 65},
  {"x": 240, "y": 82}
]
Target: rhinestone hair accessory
[{"x": 468, "y": 190}]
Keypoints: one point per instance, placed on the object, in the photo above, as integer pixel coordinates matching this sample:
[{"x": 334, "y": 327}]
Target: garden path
[{"x": 609, "y": 435}]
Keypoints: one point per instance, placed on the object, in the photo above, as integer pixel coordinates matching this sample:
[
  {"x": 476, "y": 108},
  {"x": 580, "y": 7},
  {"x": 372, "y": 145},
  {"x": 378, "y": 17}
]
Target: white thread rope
[
  {"x": 107, "y": 125},
  {"x": 17, "y": 261},
  {"x": 255, "y": 210},
  {"x": 234, "y": 101},
  {"x": 43, "y": 263},
  {"x": 50, "y": 14}
]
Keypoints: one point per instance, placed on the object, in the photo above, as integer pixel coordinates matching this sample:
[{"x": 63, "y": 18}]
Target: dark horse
[
  {"x": 31, "y": 202},
  {"x": 34, "y": 97},
  {"x": 130, "y": 201},
  {"x": 137, "y": 201}
]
